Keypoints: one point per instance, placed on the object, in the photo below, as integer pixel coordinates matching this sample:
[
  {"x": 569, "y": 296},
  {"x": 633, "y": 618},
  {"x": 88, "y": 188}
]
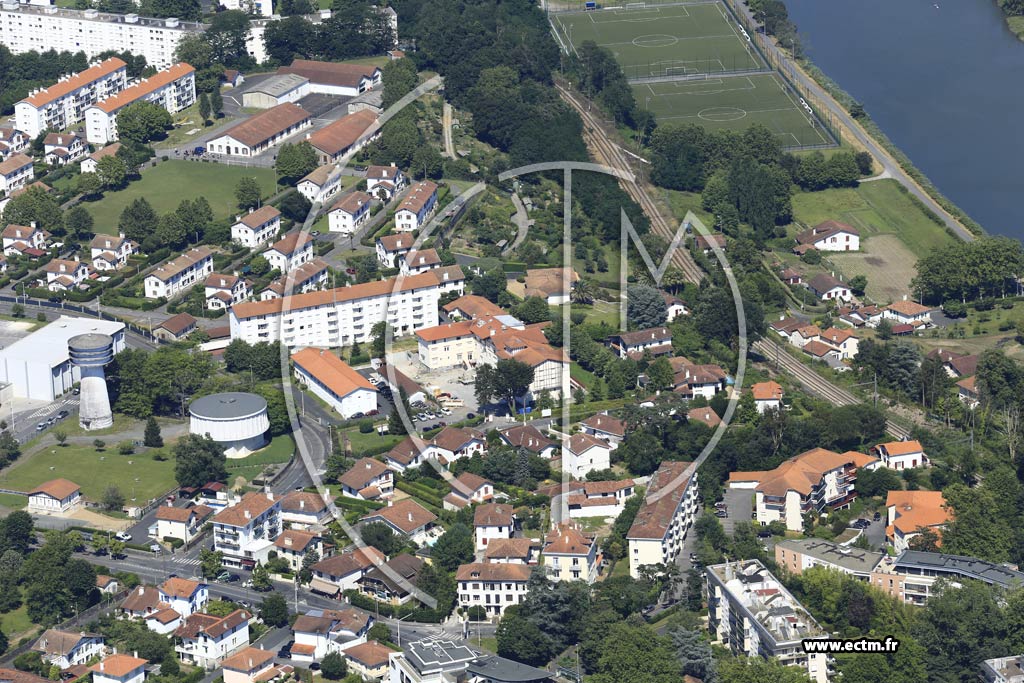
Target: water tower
[{"x": 89, "y": 353}]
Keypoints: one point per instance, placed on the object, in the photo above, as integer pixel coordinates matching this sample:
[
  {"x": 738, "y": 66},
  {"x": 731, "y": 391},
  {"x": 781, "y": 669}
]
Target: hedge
[{"x": 424, "y": 493}]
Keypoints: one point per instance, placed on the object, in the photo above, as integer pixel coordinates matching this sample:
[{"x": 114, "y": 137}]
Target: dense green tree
[
  {"x": 633, "y": 653},
  {"x": 694, "y": 653},
  {"x": 112, "y": 172},
  {"x": 248, "y": 193},
  {"x": 294, "y": 161},
  {"x": 138, "y": 220},
  {"x": 508, "y": 380},
  {"x": 380, "y": 536},
  {"x": 142, "y": 121},
  {"x": 455, "y": 547},
  {"x": 399, "y": 77},
  {"x": 521, "y": 639},
  {"x": 274, "y": 609},
  {"x": 757, "y": 670},
  {"x": 226, "y": 36},
  {"x": 35, "y": 205},
  {"x": 645, "y": 307},
  {"x": 210, "y": 562},
  {"x": 198, "y": 460},
  {"x": 333, "y": 667},
  {"x": 78, "y": 222}
]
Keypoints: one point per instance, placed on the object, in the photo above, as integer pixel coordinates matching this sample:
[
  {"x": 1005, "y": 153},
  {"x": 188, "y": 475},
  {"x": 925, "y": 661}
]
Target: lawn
[
  {"x": 281, "y": 449},
  {"x": 13, "y": 502},
  {"x": 188, "y": 126},
  {"x": 122, "y": 423},
  {"x": 363, "y": 442},
  {"x": 16, "y": 624},
  {"x": 682, "y": 203},
  {"x": 139, "y": 474},
  {"x": 166, "y": 184}
]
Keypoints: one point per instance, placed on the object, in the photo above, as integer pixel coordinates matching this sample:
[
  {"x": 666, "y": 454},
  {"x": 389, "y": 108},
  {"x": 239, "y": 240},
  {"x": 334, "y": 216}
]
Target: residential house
[
  {"x": 293, "y": 545},
  {"x": 65, "y": 649},
  {"x": 707, "y": 415},
  {"x": 1003, "y": 670},
  {"x": 258, "y": 133},
  {"x": 790, "y": 277},
  {"x": 415, "y": 262},
  {"x": 12, "y": 141},
  {"x": 828, "y": 288},
  {"x": 346, "y": 391},
  {"x": 767, "y": 396},
  {"x": 246, "y": 531},
  {"x": 26, "y": 236},
  {"x": 704, "y": 380},
  {"x": 636, "y": 345},
  {"x": 404, "y": 455},
  {"x": 600, "y": 498},
  {"x": 830, "y": 236},
  {"x": 163, "y": 621},
  {"x": 111, "y": 253},
  {"x": 304, "y": 510},
  {"x": 179, "y": 274},
  {"x": 119, "y": 668},
  {"x": 223, "y": 291},
  {"x": 141, "y": 602},
  {"x": 967, "y": 392},
  {"x": 290, "y": 252},
  {"x": 570, "y": 554},
  {"x": 308, "y": 277},
  {"x": 530, "y": 439},
  {"x": 205, "y": 640},
  {"x": 91, "y": 163},
  {"x": 661, "y": 524},
  {"x": 176, "y": 327},
  {"x": 512, "y": 551},
  {"x": 808, "y": 482},
  {"x": 382, "y": 182},
  {"x": 707, "y": 243},
  {"x": 609, "y": 429},
  {"x": 408, "y": 519},
  {"x": 64, "y": 275},
  {"x": 393, "y": 581},
  {"x": 256, "y": 227},
  {"x": 184, "y": 596},
  {"x": 908, "y": 513},
  {"x": 320, "y": 184},
  {"x": 58, "y": 496},
  {"x": 901, "y": 455},
  {"x": 584, "y": 453},
  {"x": 554, "y": 285},
  {"x": 467, "y": 489},
  {"x": 63, "y": 148},
  {"x": 345, "y": 136},
  {"x": 16, "y": 171},
  {"x": 845, "y": 341},
  {"x": 320, "y": 632},
  {"x": 755, "y": 615},
  {"x": 435, "y": 660},
  {"x": 492, "y": 586},
  {"x": 251, "y": 665},
  {"x": 369, "y": 659},
  {"x": 368, "y": 479},
  {"x": 349, "y": 212},
  {"x": 416, "y": 207},
  {"x": 471, "y": 307},
  {"x": 908, "y": 313},
  {"x": 826, "y": 353},
  {"x": 183, "y": 524},
  {"x": 674, "y": 307},
  {"x": 107, "y": 585},
  {"x": 390, "y": 247},
  {"x": 492, "y": 520},
  {"x": 341, "y": 572},
  {"x": 454, "y": 443}
]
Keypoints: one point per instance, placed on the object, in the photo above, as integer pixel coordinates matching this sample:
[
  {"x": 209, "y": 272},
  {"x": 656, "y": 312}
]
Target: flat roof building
[
  {"x": 39, "y": 366},
  {"x": 796, "y": 555}
]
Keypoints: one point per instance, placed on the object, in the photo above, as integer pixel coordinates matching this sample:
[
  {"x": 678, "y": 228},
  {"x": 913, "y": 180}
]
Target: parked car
[
  {"x": 721, "y": 513},
  {"x": 223, "y": 576},
  {"x": 123, "y": 536},
  {"x": 234, "y": 578},
  {"x": 878, "y": 516},
  {"x": 357, "y": 416},
  {"x": 41, "y": 426},
  {"x": 155, "y": 547},
  {"x": 62, "y": 414}
]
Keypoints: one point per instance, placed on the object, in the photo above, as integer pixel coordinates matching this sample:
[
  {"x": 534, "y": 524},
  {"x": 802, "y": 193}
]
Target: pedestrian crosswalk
[
  {"x": 185, "y": 561},
  {"x": 47, "y": 410}
]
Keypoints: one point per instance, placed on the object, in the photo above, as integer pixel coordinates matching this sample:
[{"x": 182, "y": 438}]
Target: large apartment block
[
  {"x": 341, "y": 316},
  {"x": 661, "y": 523},
  {"x": 752, "y": 613},
  {"x": 246, "y": 531},
  {"x": 173, "y": 89},
  {"x": 178, "y": 275},
  {"x": 25, "y": 27},
  {"x": 63, "y": 104}
]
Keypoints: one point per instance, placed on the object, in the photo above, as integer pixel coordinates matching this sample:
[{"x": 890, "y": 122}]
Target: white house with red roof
[
  {"x": 390, "y": 247},
  {"x": 767, "y": 396},
  {"x": 491, "y": 521},
  {"x": 60, "y": 149},
  {"x": 467, "y": 489},
  {"x": 293, "y": 545},
  {"x": 419, "y": 261},
  {"x": 408, "y": 519},
  {"x": 205, "y": 640},
  {"x": 585, "y": 453},
  {"x": 57, "y": 496},
  {"x": 342, "y": 571},
  {"x": 181, "y": 523},
  {"x": 416, "y": 207},
  {"x": 16, "y": 171},
  {"x": 570, "y": 554},
  {"x": 349, "y": 212},
  {"x": 256, "y": 227},
  {"x": 345, "y": 390},
  {"x": 383, "y": 182},
  {"x": 245, "y": 532},
  {"x": 605, "y": 427},
  {"x": 184, "y": 596},
  {"x": 493, "y": 586},
  {"x": 367, "y": 479},
  {"x": 827, "y": 288},
  {"x": 109, "y": 252},
  {"x": 830, "y": 236},
  {"x": 27, "y": 235},
  {"x": 290, "y": 252},
  {"x": 223, "y": 291},
  {"x": 908, "y": 313},
  {"x": 529, "y": 438},
  {"x": 63, "y": 275},
  {"x": 599, "y": 498},
  {"x": 119, "y": 668},
  {"x": 902, "y": 455}
]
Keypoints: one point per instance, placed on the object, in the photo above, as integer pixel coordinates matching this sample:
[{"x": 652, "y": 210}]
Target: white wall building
[
  {"x": 417, "y": 206},
  {"x": 111, "y": 253},
  {"x": 205, "y": 640},
  {"x": 259, "y": 133},
  {"x": 173, "y": 89},
  {"x": 55, "y": 497},
  {"x": 290, "y": 252},
  {"x": 256, "y": 227},
  {"x": 16, "y": 172},
  {"x": 246, "y": 531},
  {"x": 494, "y": 587},
  {"x": 119, "y": 668},
  {"x": 338, "y": 317},
  {"x": 350, "y": 212},
  {"x": 330, "y": 378},
  {"x": 63, "y": 104},
  {"x": 661, "y": 523},
  {"x": 184, "y": 596},
  {"x": 491, "y": 521},
  {"x": 180, "y": 274},
  {"x": 584, "y": 453}
]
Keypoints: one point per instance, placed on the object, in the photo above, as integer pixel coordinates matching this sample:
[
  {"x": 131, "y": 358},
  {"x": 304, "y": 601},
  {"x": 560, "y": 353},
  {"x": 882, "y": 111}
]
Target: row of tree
[{"x": 968, "y": 271}]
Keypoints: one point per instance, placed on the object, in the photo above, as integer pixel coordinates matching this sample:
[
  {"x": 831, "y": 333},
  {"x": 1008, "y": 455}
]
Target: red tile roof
[
  {"x": 82, "y": 78},
  {"x": 145, "y": 87},
  {"x": 265, "y": 125}
]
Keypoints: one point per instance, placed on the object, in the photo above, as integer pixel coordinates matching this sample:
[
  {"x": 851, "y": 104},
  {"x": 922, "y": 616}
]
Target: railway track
[
  {"x": 817, "y": 384},
  {"x": 609, "y": 154}
]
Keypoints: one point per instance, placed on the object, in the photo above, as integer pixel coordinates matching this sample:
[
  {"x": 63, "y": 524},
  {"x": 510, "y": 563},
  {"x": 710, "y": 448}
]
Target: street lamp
[{"x": 400, "y": 628}]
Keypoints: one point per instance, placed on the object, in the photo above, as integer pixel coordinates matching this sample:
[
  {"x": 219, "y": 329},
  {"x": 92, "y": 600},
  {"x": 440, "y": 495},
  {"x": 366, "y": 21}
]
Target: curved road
[{"x": 889, "y": 165}]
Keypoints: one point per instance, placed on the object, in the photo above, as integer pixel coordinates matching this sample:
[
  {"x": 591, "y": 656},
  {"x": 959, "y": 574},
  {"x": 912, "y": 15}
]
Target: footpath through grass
[{"x": 169, "y": 182}]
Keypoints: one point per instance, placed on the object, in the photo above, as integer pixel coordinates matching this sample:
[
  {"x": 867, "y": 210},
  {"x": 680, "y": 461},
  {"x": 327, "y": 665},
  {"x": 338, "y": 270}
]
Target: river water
[{"x": 943, "y": 80}]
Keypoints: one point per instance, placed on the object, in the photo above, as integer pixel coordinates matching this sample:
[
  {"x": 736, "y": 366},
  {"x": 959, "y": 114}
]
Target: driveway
[{"x": 740, "y": 504}]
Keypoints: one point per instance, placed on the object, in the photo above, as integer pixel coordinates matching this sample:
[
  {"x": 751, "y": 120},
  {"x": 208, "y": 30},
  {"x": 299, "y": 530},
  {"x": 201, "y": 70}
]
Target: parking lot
[{"x": 739, "y": 505}]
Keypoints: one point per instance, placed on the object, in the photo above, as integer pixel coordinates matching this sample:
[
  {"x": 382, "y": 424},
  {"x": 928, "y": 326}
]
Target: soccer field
[
  {"x": 667, "y": 40},
  {"x": 734, "y": 103}
]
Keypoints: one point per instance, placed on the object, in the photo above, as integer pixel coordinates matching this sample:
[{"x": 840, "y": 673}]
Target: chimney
[
  {"x": 248, "y": 515},
  {"x": 410, "y": 516},
  {"x": 142, "y": 590},
  {"x": 32, "y": 224},
  {"x": 302, "y": 504}
]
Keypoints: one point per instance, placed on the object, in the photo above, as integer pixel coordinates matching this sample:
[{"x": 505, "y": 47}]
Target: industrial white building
[
  {"x": 63, "y": 104},
  {"x": 25, "y": 27},
  {"x": 173, "y": 89},
  {"x": 236, "y": 420},
  {"x": 338, "y": 317},
  {"x": 39, "y": 366},
  {"x": 276, "y": 90}
]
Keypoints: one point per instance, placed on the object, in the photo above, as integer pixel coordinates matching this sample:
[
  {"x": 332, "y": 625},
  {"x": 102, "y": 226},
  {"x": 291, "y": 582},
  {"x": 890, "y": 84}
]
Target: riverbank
[{"x": 1014, "y": 22}]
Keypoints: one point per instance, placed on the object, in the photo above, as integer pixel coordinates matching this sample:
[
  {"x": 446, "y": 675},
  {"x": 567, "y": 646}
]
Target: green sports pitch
[
  {"x": 663, "y": 40},
  {"x": 734, "y": 103}
]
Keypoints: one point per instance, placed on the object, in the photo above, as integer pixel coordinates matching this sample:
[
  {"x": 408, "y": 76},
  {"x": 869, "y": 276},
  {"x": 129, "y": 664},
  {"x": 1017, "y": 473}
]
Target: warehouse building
[{"x": 276, "y": 90}]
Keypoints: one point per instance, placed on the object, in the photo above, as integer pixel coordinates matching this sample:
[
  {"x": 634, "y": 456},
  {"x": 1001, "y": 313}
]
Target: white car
[{"x": 123, "y": 536}]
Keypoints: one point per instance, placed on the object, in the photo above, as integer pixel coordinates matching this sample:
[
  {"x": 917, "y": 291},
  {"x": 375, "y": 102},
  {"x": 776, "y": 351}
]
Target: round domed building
[{"x": 237, "y": 420}]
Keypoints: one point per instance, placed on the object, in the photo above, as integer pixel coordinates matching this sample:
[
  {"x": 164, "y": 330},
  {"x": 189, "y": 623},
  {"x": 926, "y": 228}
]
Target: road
[
  {"x": 815, "y": 383},
  {"x": 446, "y": 125},
  {"x": 889, "y": 165},
  {"x": 523, "y": 223}
]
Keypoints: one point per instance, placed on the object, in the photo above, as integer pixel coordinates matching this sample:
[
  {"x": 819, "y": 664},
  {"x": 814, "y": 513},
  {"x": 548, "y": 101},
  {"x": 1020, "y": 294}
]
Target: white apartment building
[
  {"x": 319, "y": 185},
  {"x": 184, "y": 596},
  {"x": 26, "y": 27},
  {"x": 63, "y": 104},
  {"x": 661, "y": 523},
  {"x": 180, "y": 274},
  {"x": 174, "y": 89},
  {"x": 291, "y": 251},
  {"x": 349, "y": 213},
  {"x": 246, "y": 531},
  {"x": 16, "y": 171},
  {"x": 339, "y": 317},
  {"x": 205, "y": 640},
  {"x": 585, "y": 453},
  {"x": 417, "y": 206},
  {"x": 494, "y": 587},
  {"x": 256, "y": 227},
  {"x": 570, "y": 554},
  {"x": 599, "y": 498},
  {"x": 111, "y": 253},
  {"x": 751, "y": 612},
  {"x": 491, "y": 521}
]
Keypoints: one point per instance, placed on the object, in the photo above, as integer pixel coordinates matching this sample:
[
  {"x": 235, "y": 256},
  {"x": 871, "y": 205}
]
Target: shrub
[
  {"x": 173, "y": 542},
  {"x": 365, "y": 426}
]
